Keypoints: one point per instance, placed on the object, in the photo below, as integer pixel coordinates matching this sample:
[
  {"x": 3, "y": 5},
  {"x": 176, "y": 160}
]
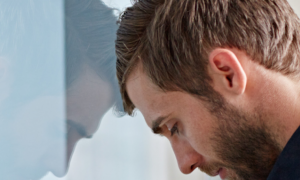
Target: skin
[{"x": 266, "y": 100}]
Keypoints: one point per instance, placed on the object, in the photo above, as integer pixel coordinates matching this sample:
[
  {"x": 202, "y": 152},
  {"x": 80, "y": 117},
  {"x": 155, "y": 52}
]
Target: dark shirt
[{"x": 287, "y": 166}]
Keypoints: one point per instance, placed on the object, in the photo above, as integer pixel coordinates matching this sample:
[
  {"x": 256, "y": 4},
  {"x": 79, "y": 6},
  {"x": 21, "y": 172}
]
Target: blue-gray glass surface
[
  {"x": 57, "y": 79},
  {"x": 32, "y": 112}
]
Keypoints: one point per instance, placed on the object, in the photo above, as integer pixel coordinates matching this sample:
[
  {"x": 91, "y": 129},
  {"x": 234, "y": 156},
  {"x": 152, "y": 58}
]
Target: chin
[{"x": 59, "y": 174}]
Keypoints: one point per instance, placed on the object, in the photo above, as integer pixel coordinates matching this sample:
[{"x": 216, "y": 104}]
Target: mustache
[{"x": 211, "y": 169}]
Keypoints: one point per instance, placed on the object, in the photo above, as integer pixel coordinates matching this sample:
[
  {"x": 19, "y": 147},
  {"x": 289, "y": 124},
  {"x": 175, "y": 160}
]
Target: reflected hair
[
  {"x": 90, "y": 34},
  {"x": 172, "y": 40}
]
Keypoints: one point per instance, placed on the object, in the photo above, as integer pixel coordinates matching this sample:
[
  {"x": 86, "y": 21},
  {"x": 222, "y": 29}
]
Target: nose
[
  {"x": 72, "y": 139},
  {"x": 187, "y": 158}
]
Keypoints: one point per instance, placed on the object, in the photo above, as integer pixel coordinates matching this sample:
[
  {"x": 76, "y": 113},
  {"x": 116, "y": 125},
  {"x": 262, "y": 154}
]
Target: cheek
[
  {"x": 199, "y": 133},
  {"x": 199, "y": 140}
]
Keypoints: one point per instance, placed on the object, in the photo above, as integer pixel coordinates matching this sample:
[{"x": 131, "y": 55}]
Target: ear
[{"x": 227, "y": 72}]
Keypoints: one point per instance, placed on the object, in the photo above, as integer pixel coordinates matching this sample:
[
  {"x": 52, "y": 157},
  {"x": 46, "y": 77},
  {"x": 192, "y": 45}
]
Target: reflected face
[
  {"x": 37, "y": 135},
  {"x": 231, "y": 143},
  {"x": 87, "y": 101}
]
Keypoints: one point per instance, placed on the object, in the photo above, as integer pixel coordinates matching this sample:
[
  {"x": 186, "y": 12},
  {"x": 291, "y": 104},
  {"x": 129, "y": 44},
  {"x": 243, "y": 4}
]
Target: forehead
[
  {"x": 88, "y": 98},
  {"x": 143, "y": 93},
  {"x": 151, "y": 100}
]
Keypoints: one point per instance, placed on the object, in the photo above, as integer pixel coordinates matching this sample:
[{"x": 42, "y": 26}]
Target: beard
[{"x": 243, "y": 143}]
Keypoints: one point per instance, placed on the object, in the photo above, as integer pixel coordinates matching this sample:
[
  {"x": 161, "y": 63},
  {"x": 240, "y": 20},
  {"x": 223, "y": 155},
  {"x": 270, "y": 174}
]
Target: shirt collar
[{"x": 287, "y": 166}]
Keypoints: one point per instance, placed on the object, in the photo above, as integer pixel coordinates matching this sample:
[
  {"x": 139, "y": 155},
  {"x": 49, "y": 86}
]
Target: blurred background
[{"x": 59, "y": 93}]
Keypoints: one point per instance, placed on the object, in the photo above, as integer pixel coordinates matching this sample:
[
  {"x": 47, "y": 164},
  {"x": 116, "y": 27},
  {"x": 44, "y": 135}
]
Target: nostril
[{"x": 193, "y": 167}]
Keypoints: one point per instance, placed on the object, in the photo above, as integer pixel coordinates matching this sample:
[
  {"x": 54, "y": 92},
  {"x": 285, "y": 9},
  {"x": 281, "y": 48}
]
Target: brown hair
[{"x": 172, "y": 40}]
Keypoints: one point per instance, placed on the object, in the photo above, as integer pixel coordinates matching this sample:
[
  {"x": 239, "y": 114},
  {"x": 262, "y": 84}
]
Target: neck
[{"x": 279, "y": 99}]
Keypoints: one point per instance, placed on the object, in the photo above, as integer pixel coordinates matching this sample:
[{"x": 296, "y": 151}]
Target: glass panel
[{"x": 32, "y": 102}]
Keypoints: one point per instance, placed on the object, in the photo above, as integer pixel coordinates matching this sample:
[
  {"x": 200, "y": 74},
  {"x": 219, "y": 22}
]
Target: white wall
[{"x": 295, "y": 5}]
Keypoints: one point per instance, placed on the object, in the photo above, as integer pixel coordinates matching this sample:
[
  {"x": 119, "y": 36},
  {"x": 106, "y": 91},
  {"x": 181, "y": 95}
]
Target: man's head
[{"x": 211, "y": 70}]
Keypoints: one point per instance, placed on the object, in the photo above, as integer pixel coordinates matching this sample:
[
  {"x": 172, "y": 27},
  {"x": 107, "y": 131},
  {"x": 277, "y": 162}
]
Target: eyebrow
[
  {"x": 156, "y": 123},
  {"x": 79, "y": 128}
]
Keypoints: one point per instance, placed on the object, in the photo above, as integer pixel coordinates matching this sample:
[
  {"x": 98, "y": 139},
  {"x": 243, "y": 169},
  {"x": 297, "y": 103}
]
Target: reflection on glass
[
  {"x": 90, "y": 67},
  {"x": 57, "y": 79}
]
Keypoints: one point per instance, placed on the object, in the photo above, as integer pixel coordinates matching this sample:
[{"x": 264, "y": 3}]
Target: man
[
  {"x": 37, "y": 136},
  {"x": 219, "y": 79}
]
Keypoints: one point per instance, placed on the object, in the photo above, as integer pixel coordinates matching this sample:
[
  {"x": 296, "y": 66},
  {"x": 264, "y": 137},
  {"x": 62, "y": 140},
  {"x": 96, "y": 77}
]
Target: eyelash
[{"x": 174, "y": 129}]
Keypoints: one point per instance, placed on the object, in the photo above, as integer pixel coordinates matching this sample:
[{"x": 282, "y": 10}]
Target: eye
[{"x": 174, "y": 129}]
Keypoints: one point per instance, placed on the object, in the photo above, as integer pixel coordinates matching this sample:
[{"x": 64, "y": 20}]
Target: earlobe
[{"x": 227, "y": 72}]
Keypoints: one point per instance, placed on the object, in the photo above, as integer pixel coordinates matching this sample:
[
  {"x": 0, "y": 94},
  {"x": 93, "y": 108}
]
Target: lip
[{"x": 222, "y": 173}]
